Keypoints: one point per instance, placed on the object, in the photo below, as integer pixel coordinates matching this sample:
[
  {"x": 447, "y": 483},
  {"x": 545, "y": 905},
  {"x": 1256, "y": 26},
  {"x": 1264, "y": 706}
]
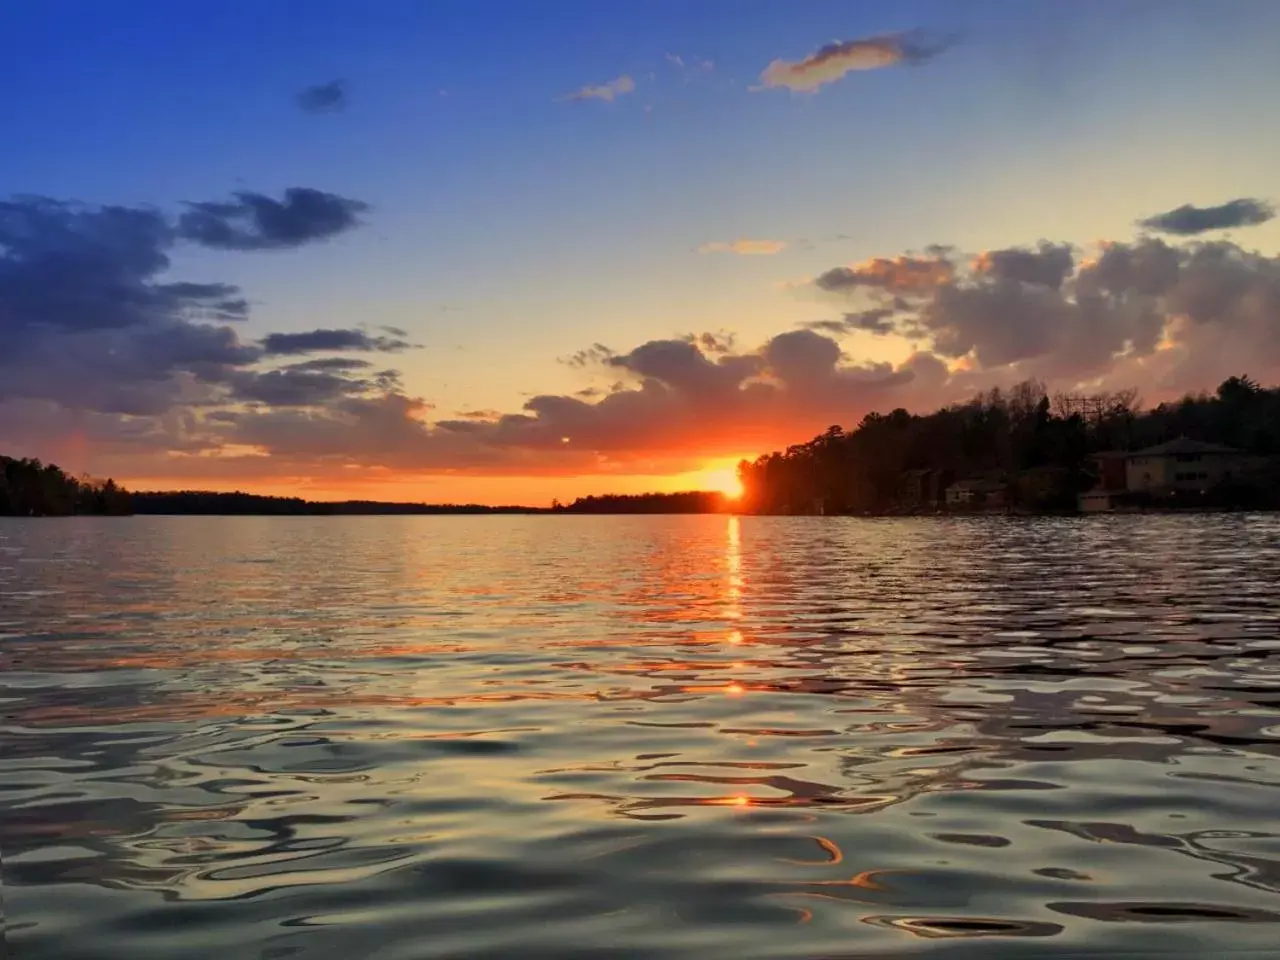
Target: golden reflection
[
  {"x": 829, "y": 847},
  {"x": 733, "y": 569}
]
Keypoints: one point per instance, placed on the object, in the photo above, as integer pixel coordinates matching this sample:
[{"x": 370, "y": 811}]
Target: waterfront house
[
  {"x": 1183, "y": 465},
  {"x": 922, "y": 488},
  {"x": 978, "y": 492}
]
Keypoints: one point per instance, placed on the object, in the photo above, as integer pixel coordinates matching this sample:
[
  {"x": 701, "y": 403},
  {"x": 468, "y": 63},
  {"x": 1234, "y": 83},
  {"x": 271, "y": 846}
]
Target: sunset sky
[{"x": 504, "y": 252}]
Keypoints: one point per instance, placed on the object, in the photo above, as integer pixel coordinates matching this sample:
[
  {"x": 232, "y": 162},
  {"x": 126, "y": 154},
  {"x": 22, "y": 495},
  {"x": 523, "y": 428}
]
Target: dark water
[{"x": 640, "y": 737}]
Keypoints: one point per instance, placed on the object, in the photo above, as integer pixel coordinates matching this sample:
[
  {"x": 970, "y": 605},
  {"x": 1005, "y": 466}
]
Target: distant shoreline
[{"x": 481, "y": 511}]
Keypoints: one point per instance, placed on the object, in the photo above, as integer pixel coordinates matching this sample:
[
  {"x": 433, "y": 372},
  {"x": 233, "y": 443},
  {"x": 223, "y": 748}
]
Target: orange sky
[{"x": 720, "y": 474}]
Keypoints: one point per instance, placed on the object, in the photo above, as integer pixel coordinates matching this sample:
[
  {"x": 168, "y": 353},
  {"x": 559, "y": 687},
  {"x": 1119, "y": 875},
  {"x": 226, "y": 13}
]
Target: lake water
[{"x": 684, "y": 737}]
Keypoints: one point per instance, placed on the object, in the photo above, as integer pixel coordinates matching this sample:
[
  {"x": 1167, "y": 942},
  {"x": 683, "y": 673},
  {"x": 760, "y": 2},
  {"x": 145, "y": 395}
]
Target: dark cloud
[
  {"x": 75, "y": 267},
  {"x": 1188, "y": 220},
  {"x": 331, "y": 365},
  {"x": 1148, "y": 267},
  {"x": 254, "y": 221},
  {"x": 319, "y": 341},
  {"x": 1048, "y": 265},
  {"x": 88, "y": 323},
  {"x": 683, "y": 365},
  {"x": 873, "y": 320},
  {"x": 323, "y": 97},
  {"x": 92, "y": 325},
  {"x": 292, "y": 387}
]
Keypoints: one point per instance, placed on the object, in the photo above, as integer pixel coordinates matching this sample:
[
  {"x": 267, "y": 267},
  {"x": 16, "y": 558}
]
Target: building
[
  {"x": 922, "y": 488},
  {"x": 1183, "y": 465},
  {"x": 1111, "y": 467},
  {"x": 978, "y": 493},
  {"x": 1099, "y": 500}
]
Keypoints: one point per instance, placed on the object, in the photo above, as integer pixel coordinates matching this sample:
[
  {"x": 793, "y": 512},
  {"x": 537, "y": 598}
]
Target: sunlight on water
[{"x": 690, "y": 737}]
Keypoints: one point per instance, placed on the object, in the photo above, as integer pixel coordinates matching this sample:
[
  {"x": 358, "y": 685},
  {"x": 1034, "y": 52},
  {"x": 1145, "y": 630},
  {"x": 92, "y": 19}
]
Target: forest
[
  {"x": 1041, "y": 447},
  {"x": 29, "y": 488}
]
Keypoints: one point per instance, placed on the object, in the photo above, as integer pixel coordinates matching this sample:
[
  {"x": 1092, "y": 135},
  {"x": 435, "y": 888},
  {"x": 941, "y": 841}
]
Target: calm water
[{"x": 695, "y": 737}]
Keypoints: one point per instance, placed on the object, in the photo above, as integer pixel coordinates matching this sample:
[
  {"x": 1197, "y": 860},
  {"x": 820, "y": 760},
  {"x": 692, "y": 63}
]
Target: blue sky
[{"x": 508, "y": 228}]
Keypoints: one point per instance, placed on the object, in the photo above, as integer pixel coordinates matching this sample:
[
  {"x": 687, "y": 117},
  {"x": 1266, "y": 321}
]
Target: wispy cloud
[
  {"x": 1187, "y": 220},
  {"x": 604, "y": 91},
  {"x": 689, "y": 66},
  {"x": 323, "y": 97},
  {"x": 831, "y": 62},
  {"x": 745, "y": 248},
  {"x": 315, "y": 341}
]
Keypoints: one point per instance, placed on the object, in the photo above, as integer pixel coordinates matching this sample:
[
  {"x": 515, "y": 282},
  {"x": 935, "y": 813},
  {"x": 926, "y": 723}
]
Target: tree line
[
  {"x": 29, "y": 488},
  {"x": 1042, "y": 447},
  {"x": 211, "y": 503},
  {"x": 692, "y": 501}
]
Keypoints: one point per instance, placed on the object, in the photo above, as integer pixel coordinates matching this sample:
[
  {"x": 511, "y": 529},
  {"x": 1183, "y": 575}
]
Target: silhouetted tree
[
  {"x": 29, "y": 488},
  {"x": 1038, "y": 446}
]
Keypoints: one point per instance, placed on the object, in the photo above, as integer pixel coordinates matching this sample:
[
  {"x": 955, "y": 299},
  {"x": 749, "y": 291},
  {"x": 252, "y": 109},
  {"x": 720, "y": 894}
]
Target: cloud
[
  {"x": 590, "y": 356},
  {"x": 332, "y": 364},
  {"x": 689, "y": 67},
  {"x": 833, "y": 61},
  {"x": 605, "y": 91},
  {"x": 95, "y": 331},
  {"x": 320, "y": 341},
  {"x": 323, "y": 97},
  {"x": 903, "y": 274},
  {"x": 88, "y": 322},
  {"x": 722, "y": 341},
  {"x": 1047, "y": 266},
  {"x": 109, "y": 363},
  {"x": 744, "y": 247},
  {"x": 253, "y": 221},
  {"x": 873, "y": 320},
  {"x": 1187, "y": 220},
  {"x": 292, "y": 387}
]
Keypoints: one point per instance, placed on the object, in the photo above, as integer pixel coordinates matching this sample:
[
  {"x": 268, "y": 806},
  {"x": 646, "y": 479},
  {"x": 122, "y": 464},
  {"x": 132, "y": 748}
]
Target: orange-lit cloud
[
  {"x": 605, "y": 91},
  {"x": 833, "y": 61},
  {"x": 744, "y": 247},
  {"x": 896, "y": 275}
]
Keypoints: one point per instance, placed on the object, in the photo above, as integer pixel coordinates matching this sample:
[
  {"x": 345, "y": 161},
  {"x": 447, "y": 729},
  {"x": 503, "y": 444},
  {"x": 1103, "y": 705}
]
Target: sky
[{"x": 505, "y": 252}]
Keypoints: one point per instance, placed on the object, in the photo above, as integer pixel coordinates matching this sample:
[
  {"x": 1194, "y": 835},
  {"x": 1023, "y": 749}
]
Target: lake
[{"x": 668, "y": 737}]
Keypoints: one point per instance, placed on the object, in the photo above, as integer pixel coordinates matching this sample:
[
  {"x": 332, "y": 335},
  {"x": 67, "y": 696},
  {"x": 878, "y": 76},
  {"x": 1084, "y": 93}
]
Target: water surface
[{"x": 694, "y": 737}]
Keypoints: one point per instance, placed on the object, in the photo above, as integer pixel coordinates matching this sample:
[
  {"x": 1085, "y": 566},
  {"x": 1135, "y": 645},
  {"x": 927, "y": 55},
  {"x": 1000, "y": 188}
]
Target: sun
[{"x": 723, "y": 480}]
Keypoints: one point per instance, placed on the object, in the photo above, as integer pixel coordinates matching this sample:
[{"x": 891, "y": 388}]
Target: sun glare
[{"x": 723, "y": 480}]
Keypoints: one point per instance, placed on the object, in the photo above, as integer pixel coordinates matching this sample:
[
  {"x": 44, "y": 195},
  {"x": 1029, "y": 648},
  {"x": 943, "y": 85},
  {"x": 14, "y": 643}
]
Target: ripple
[{"x": 689, "y": 737}]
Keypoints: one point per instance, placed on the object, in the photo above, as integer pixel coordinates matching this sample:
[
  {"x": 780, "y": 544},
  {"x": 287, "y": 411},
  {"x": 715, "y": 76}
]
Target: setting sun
[{"x": 721, "y": 480}]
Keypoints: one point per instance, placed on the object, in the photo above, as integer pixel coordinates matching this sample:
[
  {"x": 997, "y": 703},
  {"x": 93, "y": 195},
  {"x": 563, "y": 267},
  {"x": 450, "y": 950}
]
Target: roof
[{"x": 1184, "y": 445}]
